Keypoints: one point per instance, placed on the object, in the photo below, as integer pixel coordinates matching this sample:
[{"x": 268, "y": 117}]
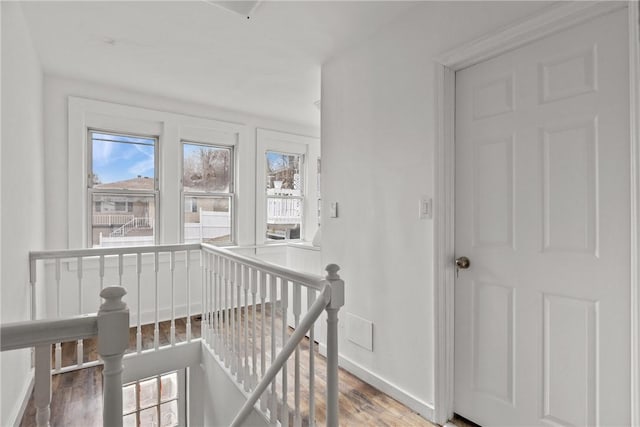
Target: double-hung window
[
  {"x": 286, "y": 208},
  {"x": 122, "y": 189},
  {"x": 284, "y": 195},
  {"x": 207, "y": 193}
]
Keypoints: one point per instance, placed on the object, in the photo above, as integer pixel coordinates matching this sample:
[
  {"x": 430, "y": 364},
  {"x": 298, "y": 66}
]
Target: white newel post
[
  {"x": 113, "y": 340},
  {"x": 337, "y": 301},
  {"x": 42, "y": 387}
]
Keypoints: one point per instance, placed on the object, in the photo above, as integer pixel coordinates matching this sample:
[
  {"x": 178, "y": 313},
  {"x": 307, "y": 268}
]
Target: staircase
[
  {"x": 143, "y": 224},
  {"x": 246, "y": 306}
]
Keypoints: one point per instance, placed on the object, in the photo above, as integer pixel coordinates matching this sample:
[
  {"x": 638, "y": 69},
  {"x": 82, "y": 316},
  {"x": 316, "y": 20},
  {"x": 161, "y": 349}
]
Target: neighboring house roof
[{"x": 139, "y": 183}]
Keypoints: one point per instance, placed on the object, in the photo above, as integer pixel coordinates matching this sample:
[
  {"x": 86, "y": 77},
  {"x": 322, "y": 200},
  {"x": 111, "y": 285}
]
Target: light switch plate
[
  {"x": 425, "y": 208},
  {"x": 333, "y": 210}
]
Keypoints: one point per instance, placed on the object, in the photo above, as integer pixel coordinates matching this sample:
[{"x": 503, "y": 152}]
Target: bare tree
[{"x": 207, "y": 169}]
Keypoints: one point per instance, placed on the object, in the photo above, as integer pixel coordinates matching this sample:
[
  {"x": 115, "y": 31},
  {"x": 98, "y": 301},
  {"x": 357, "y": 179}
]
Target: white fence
[
  {"x": 284, "y": 211},
  {"x": 112, "y": 242},
  {"x": 111, "y": 219},
  {"x": 211, "y": 226}
]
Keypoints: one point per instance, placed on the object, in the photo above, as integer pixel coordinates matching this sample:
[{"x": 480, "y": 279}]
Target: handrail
[
  {"x": 110, "y": 325},
  {"x": 228, "y": 282},
  {"x": 298, "y": 335},
  {"x": 33, "y": 333},
  {"x": 135, "y": 222},
  {"x": 123, "y": 250},
  {"x": 310, "y": 280},
  {"x": 121, "y": 230}
]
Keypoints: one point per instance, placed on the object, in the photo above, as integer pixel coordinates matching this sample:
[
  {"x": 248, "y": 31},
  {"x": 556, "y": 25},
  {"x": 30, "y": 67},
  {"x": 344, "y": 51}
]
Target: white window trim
[
  {"x": 268, "y": 140},
  {"x": 170, "y": 128},
  {"x": 91, "y": 191},
  {"x": 231, "y": 194}
]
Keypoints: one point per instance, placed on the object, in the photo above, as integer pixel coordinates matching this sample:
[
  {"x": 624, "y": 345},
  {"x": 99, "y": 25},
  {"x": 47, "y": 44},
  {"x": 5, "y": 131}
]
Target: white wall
[
  {"x": 222, "y": 398},
  {"x": 22, "y": 191},
  {"x": 377, "y": 148},
  {"x": 56, "y": 93}
]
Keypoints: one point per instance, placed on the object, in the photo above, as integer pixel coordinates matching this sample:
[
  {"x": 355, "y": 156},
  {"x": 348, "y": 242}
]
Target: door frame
[{"x": 549, "y": 21}]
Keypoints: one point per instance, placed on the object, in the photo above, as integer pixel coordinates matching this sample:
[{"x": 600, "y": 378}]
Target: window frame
[
  {"x": 181, "y": 396},
  {"x": 231, "y": 195},
  {"x": 302, "y": 168},
  {"x": 286, "y": 143},
  {"x": 91, "y": 191}
]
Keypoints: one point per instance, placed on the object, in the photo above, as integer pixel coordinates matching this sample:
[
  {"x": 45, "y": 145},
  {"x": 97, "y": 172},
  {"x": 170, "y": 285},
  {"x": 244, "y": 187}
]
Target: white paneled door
[{"x": 542, "y": 314}]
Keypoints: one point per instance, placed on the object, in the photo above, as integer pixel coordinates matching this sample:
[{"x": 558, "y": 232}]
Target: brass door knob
[{"x": 463, "y": 262}]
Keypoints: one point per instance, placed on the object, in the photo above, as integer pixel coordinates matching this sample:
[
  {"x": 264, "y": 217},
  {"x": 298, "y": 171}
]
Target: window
[
  {"x": 208, "y": 193},
  {"x": 154, "y": 401},
  {"x": 285, "y": 198},
  {"x": 286, "y": 170},
  {"x": 122, "y": 189}
]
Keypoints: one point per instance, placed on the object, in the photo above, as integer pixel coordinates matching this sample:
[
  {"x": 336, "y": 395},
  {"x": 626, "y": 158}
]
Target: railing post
[
  {"x": 113, "y": 339},
  {"x": 42, "y": 387},
  {"x": 337, "y": 301}
]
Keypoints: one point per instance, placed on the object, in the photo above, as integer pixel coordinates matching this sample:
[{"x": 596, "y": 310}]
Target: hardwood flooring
[{"x": 77, "y": 395}]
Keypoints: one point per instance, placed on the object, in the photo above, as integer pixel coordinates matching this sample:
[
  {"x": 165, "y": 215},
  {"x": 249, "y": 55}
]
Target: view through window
[
  {"x": 152, "y": 402},
  {"x": 122, "y": 189},
  {"x": 284, "y": 195},
  {"x": 207, "y": 181}
]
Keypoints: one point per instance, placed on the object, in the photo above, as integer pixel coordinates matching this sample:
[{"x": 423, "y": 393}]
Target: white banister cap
[
  {"x": 113, "y": 298},
  {"x": 332, "y": 270}
]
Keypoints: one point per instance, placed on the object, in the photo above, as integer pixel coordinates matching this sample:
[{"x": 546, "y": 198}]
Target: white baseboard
[
  {"x": 23, "y": 399},
  {"x": 425, "y": 409}
]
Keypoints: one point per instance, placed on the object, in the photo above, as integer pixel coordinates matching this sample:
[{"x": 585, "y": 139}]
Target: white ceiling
[{"x": 268, "y": 65}]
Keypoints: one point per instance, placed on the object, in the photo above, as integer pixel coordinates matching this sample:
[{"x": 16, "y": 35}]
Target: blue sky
[
  {"x": 277, "y": 161},
  {"x": 192, "y": 148},
  {"x": 118, "y": 158}
]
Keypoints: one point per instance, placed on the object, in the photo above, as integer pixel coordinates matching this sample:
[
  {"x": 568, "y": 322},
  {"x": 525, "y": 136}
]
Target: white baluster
[
  {"x": 263, "y": 345},
  {"x": 238, "y": 313},
  {"x": 211, "y": 284},
  {"x": 113, "y": 339},
  {"x": 120, "y": 269},
  {"x": 246, "y": 373},
  {"x": 311, "y": 297},
  {"x": 156, "y": 329},
  {"x": 220, "y": 305},
  {"x": 202, "y": 294},
  {"x": 58, "y": 356},
  {"x": 139, "y": 302},
  {"x": 214, "y": 291},
  {"x": 284, "y": 300},
  {"x": 273, "y": 407},
  {"x": 32, "y": 281},
  {"x": 232, "y": 316},
  {"x": 226, "y": 320},
  {"x": 172, "y": 269},
  {"x": 101, "y": 271},
  {"x": 188, "y": 270},
  {"x": 33, "y": 314},
  {"x": 297, "y": 419},
  {"x": 337, "y": 301},
  {"x": 80, "y": 342},
  {"x": 254, "y": 361},
  {"x": 206, "y": 317},
  {"x": 42, "y": 385}
]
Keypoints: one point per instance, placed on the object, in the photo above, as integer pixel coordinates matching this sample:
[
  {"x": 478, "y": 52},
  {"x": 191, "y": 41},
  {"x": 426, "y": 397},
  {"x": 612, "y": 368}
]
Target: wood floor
[{"x": 77, "y": 395}]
